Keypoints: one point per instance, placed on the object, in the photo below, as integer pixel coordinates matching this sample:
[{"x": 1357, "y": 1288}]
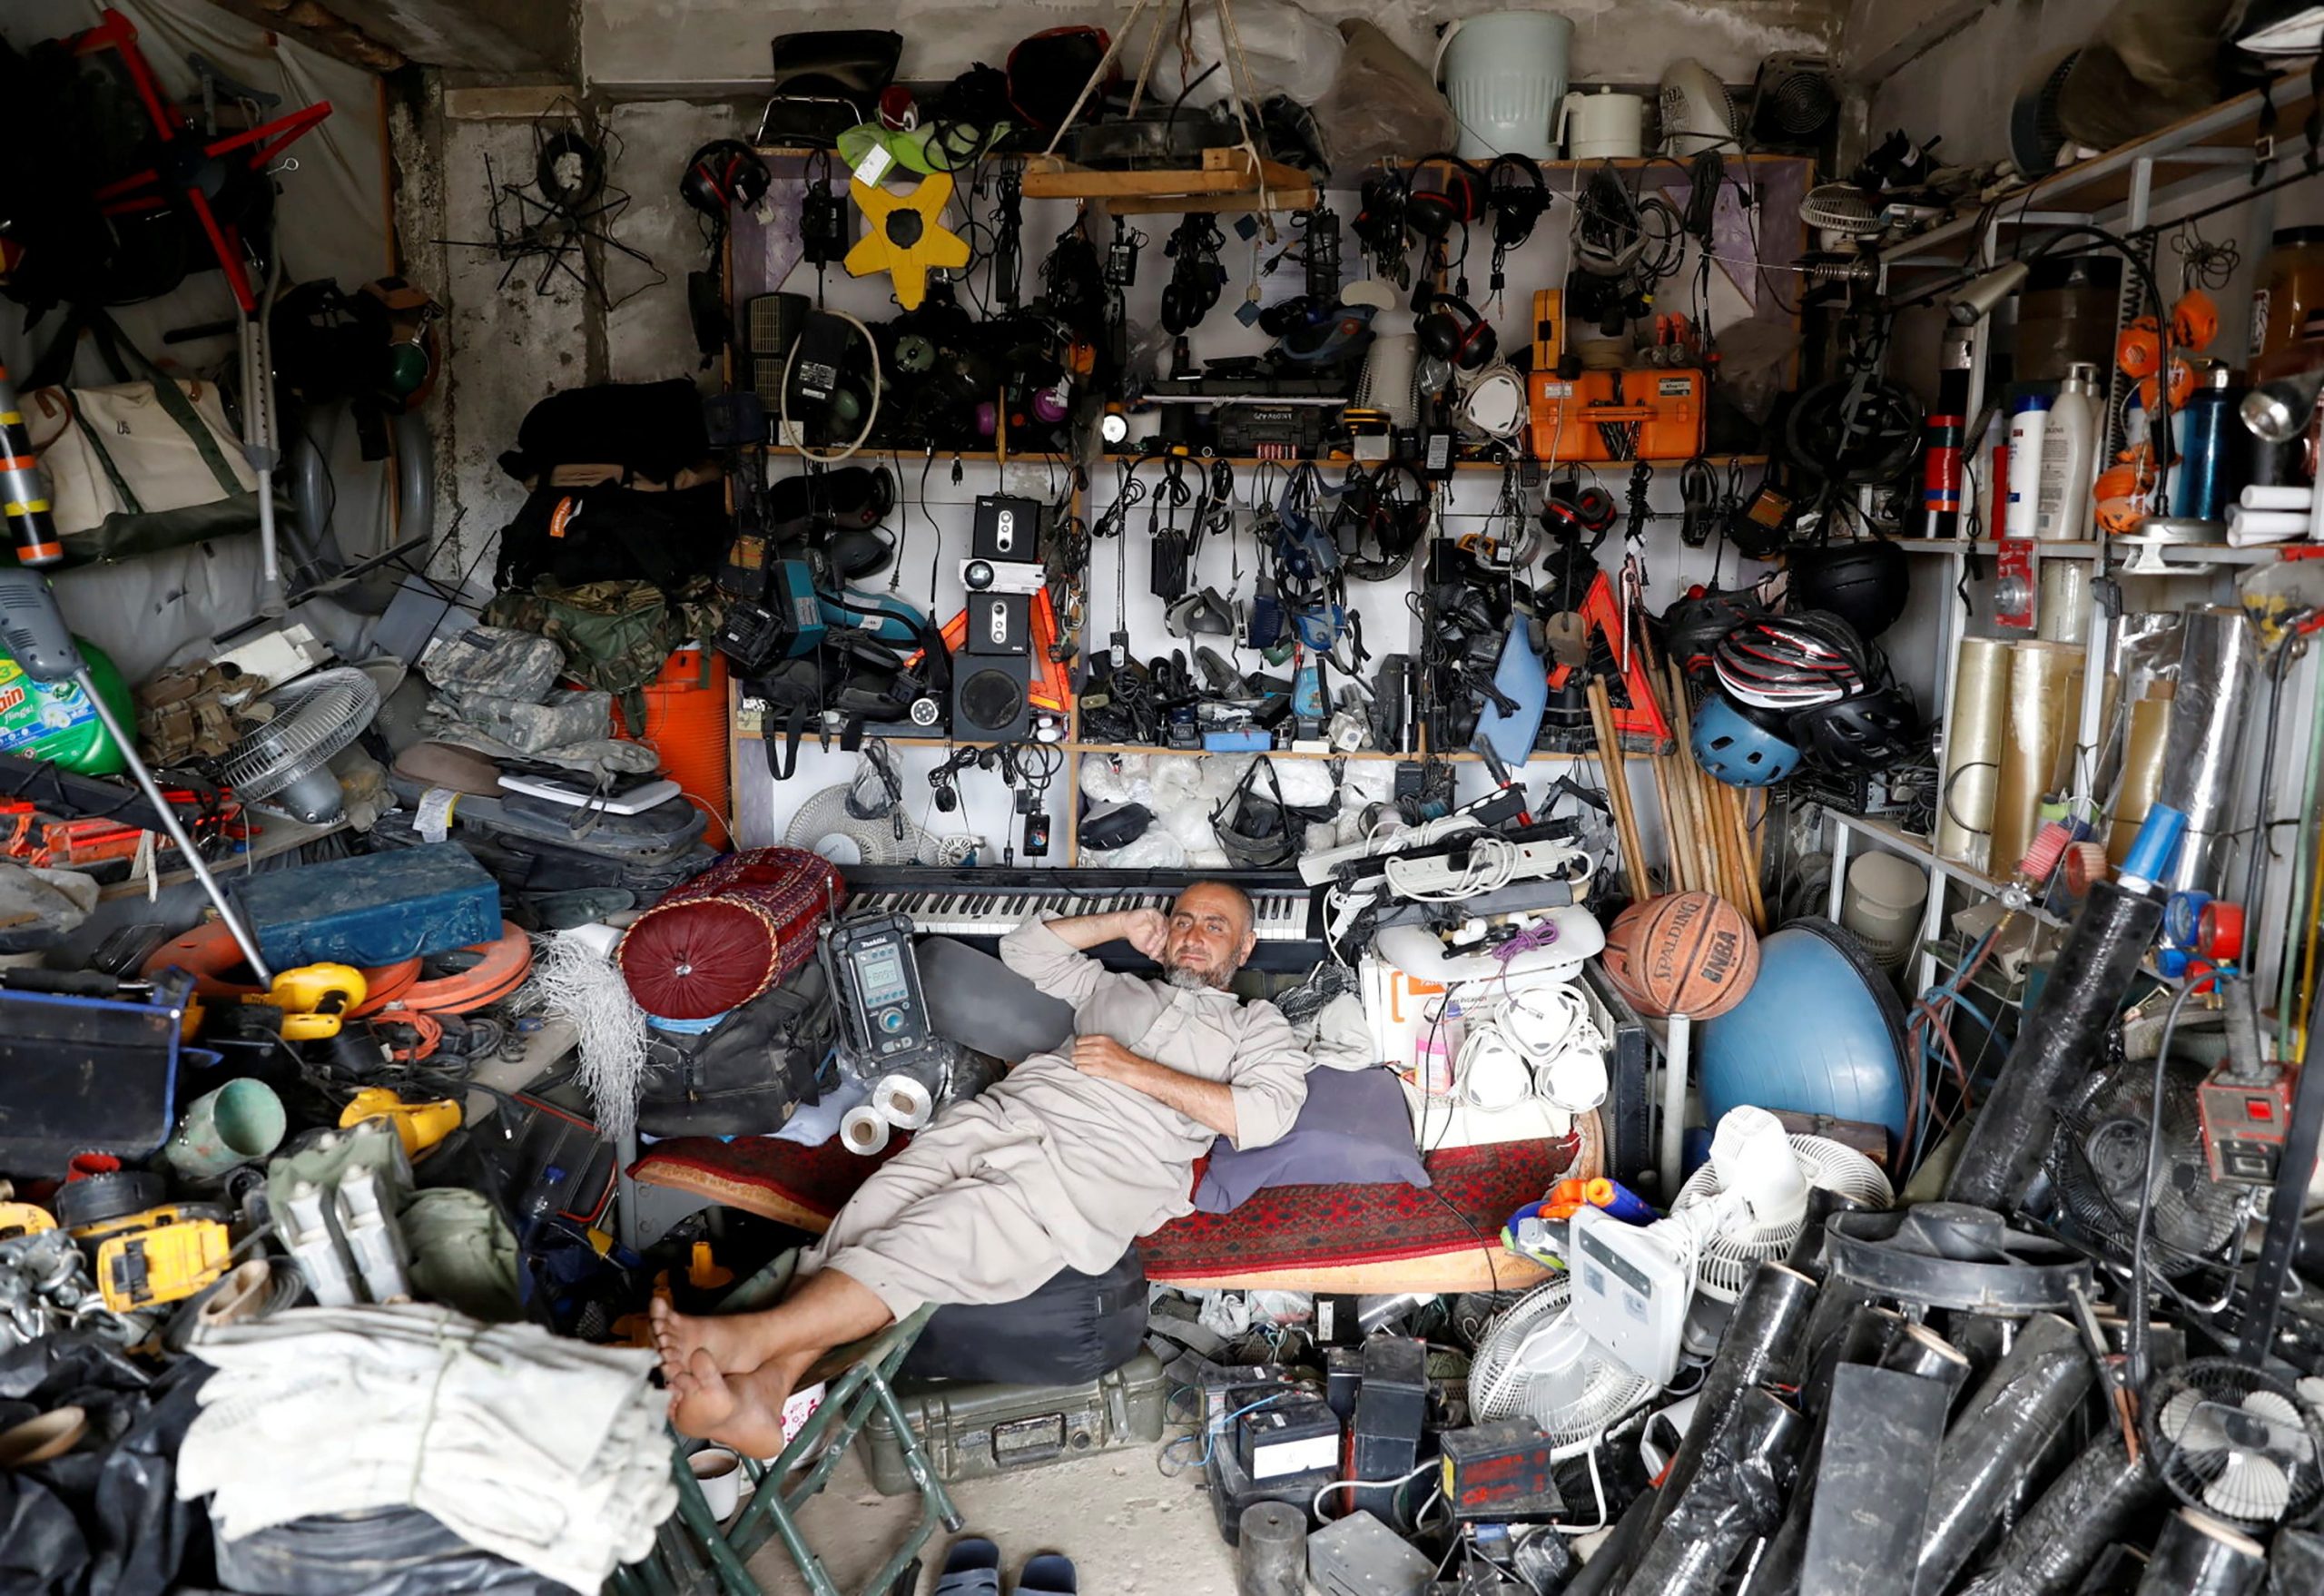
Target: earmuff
[
  {"x": 1451, "y": 330},
  {"x": 722, "y": 175},
  {"x": 1519, "y": 196}
]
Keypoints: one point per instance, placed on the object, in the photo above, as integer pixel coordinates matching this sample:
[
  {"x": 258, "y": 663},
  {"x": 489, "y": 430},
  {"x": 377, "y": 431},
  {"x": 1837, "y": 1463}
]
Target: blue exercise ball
[{"x": 1848, "y": 1061}]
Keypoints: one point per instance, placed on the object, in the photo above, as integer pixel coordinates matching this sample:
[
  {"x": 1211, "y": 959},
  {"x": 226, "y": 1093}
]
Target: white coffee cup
[{"x": 720, "y": 1474}]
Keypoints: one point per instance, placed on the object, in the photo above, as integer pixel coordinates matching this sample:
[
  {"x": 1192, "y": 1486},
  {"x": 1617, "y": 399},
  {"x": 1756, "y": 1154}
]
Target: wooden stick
[
  {"x": 1739, "y": 828},
  {"x": 1697, "y": 805},
  {"x": 1618, "y": 788},
  {"x": 1663, "y": 776}
]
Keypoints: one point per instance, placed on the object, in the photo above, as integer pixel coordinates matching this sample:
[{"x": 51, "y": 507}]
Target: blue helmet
[{"x": 1738, "y": 749}]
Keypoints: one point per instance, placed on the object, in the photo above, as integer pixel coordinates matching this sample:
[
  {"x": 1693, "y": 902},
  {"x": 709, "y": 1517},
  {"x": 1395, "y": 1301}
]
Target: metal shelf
[
  {"x": 2120, "y": 553},
  {"x": 2208, "y": 148}
]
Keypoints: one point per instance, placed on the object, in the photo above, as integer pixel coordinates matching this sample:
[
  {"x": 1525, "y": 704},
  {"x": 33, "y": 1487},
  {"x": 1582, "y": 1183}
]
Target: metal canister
[{"x": 2208, "y": 460}]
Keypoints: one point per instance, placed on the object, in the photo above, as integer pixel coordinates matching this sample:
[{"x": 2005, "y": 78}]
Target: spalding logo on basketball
[{"x": 1690, "y": 953}]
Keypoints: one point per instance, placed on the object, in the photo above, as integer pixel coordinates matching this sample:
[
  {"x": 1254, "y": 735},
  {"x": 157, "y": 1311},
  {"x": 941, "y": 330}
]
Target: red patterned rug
[{"x": 1298, "y": 1237}]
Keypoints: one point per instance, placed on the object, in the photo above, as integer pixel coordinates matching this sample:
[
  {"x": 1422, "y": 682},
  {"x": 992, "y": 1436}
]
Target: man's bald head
[{"x": 1211, "y": 932}]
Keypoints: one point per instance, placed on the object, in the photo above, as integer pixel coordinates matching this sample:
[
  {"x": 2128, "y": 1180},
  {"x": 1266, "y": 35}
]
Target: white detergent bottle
[
  {"x": 2069, "y": 458},
  {"x": 2029, "y": 417}
]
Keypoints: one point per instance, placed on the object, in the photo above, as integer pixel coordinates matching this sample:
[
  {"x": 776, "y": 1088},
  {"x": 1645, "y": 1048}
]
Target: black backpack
[
  {"x": 652, "y": 431},
  {"x": 748, "y": 1075}
]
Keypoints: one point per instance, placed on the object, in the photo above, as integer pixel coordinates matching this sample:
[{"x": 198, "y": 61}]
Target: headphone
[
  {"x": 721, "y": 176},
  {"x": 1519, "y": 196},
  {"x": 1451, "y": 330},
  {"x": 1456, "y": 201}
]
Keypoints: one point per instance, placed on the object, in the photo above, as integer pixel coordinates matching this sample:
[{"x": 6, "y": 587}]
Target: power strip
[{"x": 1434, "y": 875}]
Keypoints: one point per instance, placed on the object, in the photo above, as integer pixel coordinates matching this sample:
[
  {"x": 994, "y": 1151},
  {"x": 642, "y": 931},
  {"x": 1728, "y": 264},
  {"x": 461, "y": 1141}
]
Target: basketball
[{"x": 1690, "y": 953}]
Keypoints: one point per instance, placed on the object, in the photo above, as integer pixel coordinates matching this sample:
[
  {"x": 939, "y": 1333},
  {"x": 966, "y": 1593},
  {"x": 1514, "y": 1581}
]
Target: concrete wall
[{"x": 684, "y": 46}]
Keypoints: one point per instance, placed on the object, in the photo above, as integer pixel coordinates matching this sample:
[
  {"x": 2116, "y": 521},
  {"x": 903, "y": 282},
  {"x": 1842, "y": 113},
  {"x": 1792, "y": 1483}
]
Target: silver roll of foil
[
  {"x": 863, "y": 1131},
  {"x": 2218, "y": 657},
  {"x": 903, "y": 1102}
]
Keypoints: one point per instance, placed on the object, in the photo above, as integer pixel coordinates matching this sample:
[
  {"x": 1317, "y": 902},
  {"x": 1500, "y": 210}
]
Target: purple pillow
[{"x": 1353, "y": 1131}]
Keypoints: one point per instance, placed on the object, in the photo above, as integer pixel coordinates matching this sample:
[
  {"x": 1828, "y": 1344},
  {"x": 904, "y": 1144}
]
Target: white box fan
[
  {"x": 1747, "y": 1205},
  {"x": 1536, "y": 1361}
]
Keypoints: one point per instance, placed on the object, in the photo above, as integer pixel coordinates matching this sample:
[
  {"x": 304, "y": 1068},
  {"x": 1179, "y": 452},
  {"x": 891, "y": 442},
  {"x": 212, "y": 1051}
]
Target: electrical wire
[{"x": 2135, "y": 1345}]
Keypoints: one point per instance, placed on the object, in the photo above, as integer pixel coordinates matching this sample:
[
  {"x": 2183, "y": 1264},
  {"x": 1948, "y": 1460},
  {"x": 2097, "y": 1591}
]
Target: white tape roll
[
  {"x": 2278, "y": 495},
  {"x": 903, "y": 1102},
  {"x": 864, "y": 1130}
]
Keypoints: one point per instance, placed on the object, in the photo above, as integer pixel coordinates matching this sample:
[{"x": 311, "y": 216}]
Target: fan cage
[
  {"x": 1839, "y": 207},
  {"x": 2216, "y": 1427},
  {"x": 313, "y": 720},
  {"x": 825, "y": 814},
  {"x": 1725, "y": 1262},
  {"x": 2097, "y": 1163},
  {"x": 1498, "y": 1389}
]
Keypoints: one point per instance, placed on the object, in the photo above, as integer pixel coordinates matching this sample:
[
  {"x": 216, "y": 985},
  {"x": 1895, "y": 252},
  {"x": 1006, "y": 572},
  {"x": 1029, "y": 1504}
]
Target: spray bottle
[{"x": 2069, "y": 458}]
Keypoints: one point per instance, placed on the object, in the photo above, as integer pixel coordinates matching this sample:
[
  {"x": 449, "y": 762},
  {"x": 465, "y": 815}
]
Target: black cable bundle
[
  {"x": 1764, "y": 1345},
  {"x": 1998, "y": 1441},
  {"x": 2095, "y": 1502},
  {"x": 1739, "y": 1496}
]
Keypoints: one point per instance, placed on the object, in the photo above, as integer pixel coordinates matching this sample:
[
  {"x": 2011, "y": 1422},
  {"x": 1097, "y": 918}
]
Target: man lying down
[{"x": 1060, "y": 1165}]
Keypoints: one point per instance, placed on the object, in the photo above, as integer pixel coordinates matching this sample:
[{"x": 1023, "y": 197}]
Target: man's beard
[{"x": 1190, "y": 980}]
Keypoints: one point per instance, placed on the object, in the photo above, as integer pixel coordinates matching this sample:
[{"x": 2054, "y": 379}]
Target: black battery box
[{"x": 1499, "y": 1474}]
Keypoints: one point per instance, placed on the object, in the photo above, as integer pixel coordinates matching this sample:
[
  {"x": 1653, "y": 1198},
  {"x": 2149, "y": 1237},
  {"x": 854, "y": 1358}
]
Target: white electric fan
[
  {"x": 1747, "y": 1205},
  {"x": 1535, "y": 1362},
  {"x": 285, "y": 763}
]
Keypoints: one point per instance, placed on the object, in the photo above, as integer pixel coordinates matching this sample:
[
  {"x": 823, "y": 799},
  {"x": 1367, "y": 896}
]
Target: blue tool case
[{"x": 374, "y": 908}]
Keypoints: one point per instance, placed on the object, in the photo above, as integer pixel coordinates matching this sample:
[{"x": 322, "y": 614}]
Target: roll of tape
[
  {"x": 864, "y": 1130},
  {"x": 1973, "y": 750},
  {"x": 903, "y": 1102}
]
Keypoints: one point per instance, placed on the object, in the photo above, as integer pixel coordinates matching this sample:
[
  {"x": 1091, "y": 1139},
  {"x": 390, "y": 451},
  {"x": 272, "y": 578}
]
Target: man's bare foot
[
  {"x": 744, "y": 1413},
  {"x": 735, "y": 1343}
]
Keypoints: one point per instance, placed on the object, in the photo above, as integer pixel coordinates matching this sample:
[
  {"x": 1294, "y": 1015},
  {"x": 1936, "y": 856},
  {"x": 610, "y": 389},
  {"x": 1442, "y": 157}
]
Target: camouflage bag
[{"x": 615, "y": 635}]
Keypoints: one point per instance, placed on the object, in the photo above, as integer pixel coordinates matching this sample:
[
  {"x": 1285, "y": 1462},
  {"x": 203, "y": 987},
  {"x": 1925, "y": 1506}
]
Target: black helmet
[
  {"x": 1692, "y": 627},
  {"x": 1864, "y": 583},
  {"x": 1870, "y": 731}
]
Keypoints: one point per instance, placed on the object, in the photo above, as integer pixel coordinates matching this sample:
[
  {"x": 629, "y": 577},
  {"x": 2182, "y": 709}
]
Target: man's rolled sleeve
[
  {"x": 1268, "y": 1078},
  {"x": 1051, "y": 963}
]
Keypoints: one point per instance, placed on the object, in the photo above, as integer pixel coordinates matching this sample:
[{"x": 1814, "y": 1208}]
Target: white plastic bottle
[
  {"x": 2029, "y": 420},
  {"x": 2069, "y": 459}
]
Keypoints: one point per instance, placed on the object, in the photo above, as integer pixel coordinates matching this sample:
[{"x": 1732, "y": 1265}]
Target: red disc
[{"x": 2218, "y": 930}]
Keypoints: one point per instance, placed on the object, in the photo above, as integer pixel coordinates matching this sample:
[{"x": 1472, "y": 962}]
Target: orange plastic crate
[{"x": 1652, "y": 414}]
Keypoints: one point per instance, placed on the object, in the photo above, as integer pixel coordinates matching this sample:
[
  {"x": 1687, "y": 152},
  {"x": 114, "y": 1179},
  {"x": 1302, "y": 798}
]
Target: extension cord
[{"x": 1437, "y": 877}]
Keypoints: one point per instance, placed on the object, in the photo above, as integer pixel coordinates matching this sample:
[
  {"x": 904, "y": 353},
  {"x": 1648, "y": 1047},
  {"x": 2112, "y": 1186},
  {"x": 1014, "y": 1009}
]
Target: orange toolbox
[{"x": 1654, "y": 413}]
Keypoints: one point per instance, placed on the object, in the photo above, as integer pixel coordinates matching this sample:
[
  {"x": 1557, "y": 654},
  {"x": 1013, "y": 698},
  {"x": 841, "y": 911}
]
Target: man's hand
[
  {"x": 1146, "y": 930},
  {"x": 1103, "y": 1057}
]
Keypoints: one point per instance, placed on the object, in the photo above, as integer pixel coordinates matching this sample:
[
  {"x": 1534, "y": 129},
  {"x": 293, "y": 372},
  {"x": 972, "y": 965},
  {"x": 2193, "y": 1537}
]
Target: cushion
[{"x": 1353, "y": 1131}]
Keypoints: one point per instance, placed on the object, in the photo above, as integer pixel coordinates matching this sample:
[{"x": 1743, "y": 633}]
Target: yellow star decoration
[{"x": 904, "y": 238}]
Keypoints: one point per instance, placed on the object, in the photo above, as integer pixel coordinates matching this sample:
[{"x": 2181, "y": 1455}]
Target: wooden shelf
[
  {"x": 874, "y": 452},
  {"x": 1228, "y": 180}
]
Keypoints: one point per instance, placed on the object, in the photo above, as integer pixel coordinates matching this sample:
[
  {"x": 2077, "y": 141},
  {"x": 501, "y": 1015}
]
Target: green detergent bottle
[{"x": 55, "y": 720}]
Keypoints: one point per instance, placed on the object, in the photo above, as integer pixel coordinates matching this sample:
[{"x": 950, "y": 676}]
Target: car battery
[
  {"x": 1231, "y": 1490},
  {"x": 1343, "y": 1378},
  {"x": 1291, "y": 1436},
  {"x": 1499, "y": 1474},
  {"x": 1391, "y": 1408},
  {"x": 972, "y": 1432},
  {"x": 1657, "y": 414},
  {"x": 1338, "y": 1321},
  {"x": 1360, "y": 1556}
]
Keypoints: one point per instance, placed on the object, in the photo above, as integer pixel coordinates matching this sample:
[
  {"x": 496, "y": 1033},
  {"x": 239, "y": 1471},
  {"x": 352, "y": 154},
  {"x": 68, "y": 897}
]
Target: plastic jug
[
  {"x": 1603, "y": 126},
  {"x": 1503, "y": 75}
]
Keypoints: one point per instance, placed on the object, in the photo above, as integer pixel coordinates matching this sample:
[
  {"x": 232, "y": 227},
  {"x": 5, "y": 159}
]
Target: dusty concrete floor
[{"x": 1128, "y": 1530}]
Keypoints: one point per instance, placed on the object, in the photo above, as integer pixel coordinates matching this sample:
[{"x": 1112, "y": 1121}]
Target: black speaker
[
  {"x": 991, "y": 697},
  {"x": 1007, "y": 529},
  {"x": 999, "y": 623}
]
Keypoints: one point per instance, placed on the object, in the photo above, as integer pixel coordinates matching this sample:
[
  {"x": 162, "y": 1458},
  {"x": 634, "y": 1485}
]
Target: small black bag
[
  {"x": 1073, "y": 1327},
  {"x": 614, "y": 534},
  {"x": 747, "y": 1075},
  {"x": 826, "y": 82}
]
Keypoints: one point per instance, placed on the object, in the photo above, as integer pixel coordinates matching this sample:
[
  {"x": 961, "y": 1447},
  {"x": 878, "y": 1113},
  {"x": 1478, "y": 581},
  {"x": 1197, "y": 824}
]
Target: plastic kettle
[
  {"x": 1503, "y": 75},
  {"x": 1603, "y": 126}
]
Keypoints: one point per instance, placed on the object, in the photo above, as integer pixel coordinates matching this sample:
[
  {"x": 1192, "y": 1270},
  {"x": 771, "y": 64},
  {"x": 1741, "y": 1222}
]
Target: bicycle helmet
[
  {"x": 1735, "y": 745},
  {"x": 1864, "y": 584},
  {"x": 1790, "y": 663},
  {"x": 1868, "y": 731},
  {"x": 1692, "y": 627}
]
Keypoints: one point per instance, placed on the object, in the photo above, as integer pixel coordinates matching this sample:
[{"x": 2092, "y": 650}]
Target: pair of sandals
[{"x": 973, "y": 1568}]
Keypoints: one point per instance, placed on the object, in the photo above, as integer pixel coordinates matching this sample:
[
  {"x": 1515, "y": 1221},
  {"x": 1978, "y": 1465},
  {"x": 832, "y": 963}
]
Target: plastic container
[
  {"x": 974, "y": 1432},
  {"x": 1882, "y": 903},
  {"x": 686, "y": 726},
  {"x": 55, "y": 720},
  {"x": 2029, "y": 425},
  {"x": 2205, "y": 480},
  {"x": 2069, "y": 458},
  {"x": 2288, "y": 290},
  {"x": 2066, "y": 315},
  {"x": 1504, "y": 75}
]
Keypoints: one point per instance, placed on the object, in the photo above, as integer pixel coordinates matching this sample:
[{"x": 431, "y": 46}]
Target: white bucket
[{"x": 1504, "y": 77}]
